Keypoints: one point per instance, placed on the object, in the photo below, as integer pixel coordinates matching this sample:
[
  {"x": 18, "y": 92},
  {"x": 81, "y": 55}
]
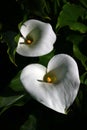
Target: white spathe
[
  {"x": 58, "y": 95},
  {"x": 43, "y": 38}
]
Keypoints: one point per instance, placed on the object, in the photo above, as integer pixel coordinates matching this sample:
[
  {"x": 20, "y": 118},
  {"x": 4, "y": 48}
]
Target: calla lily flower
[
  {"x": 37, "y": 38},
  {"x": 56, "y": 86}
]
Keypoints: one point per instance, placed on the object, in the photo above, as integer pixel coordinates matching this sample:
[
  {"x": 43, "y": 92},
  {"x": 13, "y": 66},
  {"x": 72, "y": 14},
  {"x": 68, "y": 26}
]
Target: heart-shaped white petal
[
  {"x": 42, "y": 35},
  {"x": 55, "y": 86}
]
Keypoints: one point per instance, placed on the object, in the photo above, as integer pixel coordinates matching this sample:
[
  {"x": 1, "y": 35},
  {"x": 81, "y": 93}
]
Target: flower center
[
  {"x": 28, "y": 41},
  {"x": 50, "y": 78}
]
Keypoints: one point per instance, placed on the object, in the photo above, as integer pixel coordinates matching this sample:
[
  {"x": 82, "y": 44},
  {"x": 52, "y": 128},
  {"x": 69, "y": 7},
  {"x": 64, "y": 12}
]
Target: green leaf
[
  {"x": 78, "y": 27},
  {"x": 30, "y": 124},
  {"x": 45, "y": 59},
  {"x": 21, "y": 23},
  {"x": 9, "y": 38},
  {"x": 7, "y": 102},
  {"x": 17, "y": 87},
  {"x": 69, "y": 17},
  {"x": 80, "y": 56},
  {"x": 14, "y": 100},
  {"x": 79, "y": 100},
  {"x": 84, "y": 78},
  {"x": 84, "y": 3},
  {"x": 23, "y": 100},
  {"x": 76, "y": 39},
  {"x": 16, "y": 38},
  {"x": 16, "y": 84}
]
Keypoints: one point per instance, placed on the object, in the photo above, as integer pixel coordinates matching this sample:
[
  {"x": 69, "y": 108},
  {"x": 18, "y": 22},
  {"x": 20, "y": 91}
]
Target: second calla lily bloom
[
  {"x": 37, "y": 38},
  {"x": 55, "y": 86}
]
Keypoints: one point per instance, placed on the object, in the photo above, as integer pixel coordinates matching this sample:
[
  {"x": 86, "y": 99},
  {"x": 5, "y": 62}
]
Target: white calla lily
[
  {"x": 37, "y": 38},
  {"x": 55, "y": 86}
]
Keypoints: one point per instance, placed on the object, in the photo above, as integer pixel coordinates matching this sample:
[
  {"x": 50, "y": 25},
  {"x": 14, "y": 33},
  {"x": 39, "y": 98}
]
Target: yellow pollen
[
  {"x": 49, "y": 80},
  {"x": 29, "y": 41}
]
